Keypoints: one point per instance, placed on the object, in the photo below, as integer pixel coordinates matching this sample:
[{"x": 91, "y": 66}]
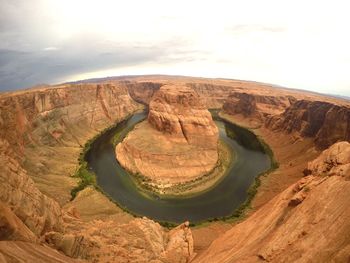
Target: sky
[{"x": 297, "y": 44}]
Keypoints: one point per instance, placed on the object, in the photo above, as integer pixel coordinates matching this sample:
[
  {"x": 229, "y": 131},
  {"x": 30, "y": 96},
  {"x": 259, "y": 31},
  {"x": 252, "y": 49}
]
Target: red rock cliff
[
  {"x": 178, "y": 142},
  {"x": 178, "y": 110},
  {"x": 308, "y": 222},
  {"x": 326, "y": 122}
]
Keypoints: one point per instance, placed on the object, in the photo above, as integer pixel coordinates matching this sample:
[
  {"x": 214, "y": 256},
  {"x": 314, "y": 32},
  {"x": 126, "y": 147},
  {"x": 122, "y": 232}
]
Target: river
[{"x": 220, "y": 201}]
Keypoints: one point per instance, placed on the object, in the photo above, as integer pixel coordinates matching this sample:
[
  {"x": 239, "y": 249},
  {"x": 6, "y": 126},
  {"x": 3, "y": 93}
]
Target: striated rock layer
[
  {"x": 255, "y": 108},
  {"x": 18, "y": 194},
  {"x": 140, "y": 240},
  {"x": 308, "y": 222},
  {"x": 326, "y": 122},
  {"x": 178, "y": 143},
  {"x": 46, "y": 128},
  {"x": 40, "y": 137},
  {"x": 179, "y": 111}
]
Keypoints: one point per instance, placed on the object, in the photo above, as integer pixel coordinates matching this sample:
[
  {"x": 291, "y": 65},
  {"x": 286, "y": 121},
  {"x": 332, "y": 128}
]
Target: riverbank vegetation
[
  {"x": 83, "y": 173},
  {"x": 206, "y": 182},
  {"x": 190, "y": 188}
]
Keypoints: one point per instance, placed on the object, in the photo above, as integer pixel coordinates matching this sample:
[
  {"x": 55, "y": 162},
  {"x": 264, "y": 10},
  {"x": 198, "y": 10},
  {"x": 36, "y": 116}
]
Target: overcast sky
[{"x": 298, "y": 44}]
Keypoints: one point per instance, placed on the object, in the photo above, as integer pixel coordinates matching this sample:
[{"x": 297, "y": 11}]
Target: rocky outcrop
[
  {"x": 308, "y": 222},
  {"x": 333, "y": 161},
  {"x": 46, "y": 128},
  {"x": 141, "y": 240},
  {"x": 254, "y": 109},
  {"x": 52, "y": 116},
  {"x": 178, "y": 143},
  {"x": 179, "y": 111},
  {"x": 17, "y": 251},
  {"x": 18, "y": 192},
  {"x": 241, "y": 103},
  {"x": 12, "y": 228},
  {"x": 326, "y": 122},
  {"x": 213, "y": 95},
  {"x": 142, "y": 92},
  {"x": 254, "y": 105}
]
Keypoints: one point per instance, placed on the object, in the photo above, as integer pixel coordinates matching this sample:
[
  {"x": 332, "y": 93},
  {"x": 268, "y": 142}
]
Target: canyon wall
[
  {"x": 327, "y": 123},
  {"x": 42, "y": 133},
  {"x": 38, "y": 213},
  {"x": 254, "y": 104},
  {"x": 47, "y": 128},
  {"x": 308, "y": 222},
  {"x": 142, "y": 92}
]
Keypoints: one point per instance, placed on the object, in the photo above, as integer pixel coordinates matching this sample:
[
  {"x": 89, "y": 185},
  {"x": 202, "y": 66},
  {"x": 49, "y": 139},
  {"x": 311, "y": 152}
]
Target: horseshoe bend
[
  {"x": 160, "y": 168},
  {"x": 178, "y": 143}
]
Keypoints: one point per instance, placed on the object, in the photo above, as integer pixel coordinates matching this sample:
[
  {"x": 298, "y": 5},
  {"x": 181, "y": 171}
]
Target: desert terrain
[{"x": 300, "y": 212}]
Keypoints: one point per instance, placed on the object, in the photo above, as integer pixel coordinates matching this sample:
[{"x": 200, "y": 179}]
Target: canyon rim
[{"x": 301, "y": 203}]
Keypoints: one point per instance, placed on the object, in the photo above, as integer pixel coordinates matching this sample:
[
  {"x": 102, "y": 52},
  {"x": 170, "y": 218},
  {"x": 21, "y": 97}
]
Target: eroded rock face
[
  {"x": 241, "y": 103},
  {"x": 142, "y": 92},
  {"x": 46, "y": 128},
  {"x": 254, "y": 105},
  {"x": 178, "y": 143},
  {"x": 38, "y": 212},
  {"x": 313, "y": 211},
  {"x": 333, "y": 161},
  {"x": 19, "y": 251},
  {"x": 326, "y": 122},
  {"x": 141, "y": 240},
  {"x": 179, "y": 111}
]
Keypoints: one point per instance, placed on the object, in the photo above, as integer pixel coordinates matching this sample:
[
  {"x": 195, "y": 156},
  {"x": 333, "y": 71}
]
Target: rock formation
[
  {"x": 140, "y": 240},
  {"x": 254, "y": 105},
  {"x": 48, "y": 127},
  {"x": 333, "y": 161},
  {"x": 37, "y": 212},
  {"x": 42, "y": 132},
  {"x": 326, "y": 122},
  {"x": 19, "y": 251},
  {"x": 142, "y": 92},
  {"x": 241, "y": 103},
  {"x": 179, "y": 111},
  {"x": 178, "y": 143},
  {"x": 308, "y": 222}
]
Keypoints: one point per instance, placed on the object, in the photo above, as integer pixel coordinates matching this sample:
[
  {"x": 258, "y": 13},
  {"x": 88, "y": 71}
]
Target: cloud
[
  {"x": 51, "y": 48},
  {"x": 294, "y": 43},
  {"x": 20, "y": 69},
  {"x": 249, "y": 28}
]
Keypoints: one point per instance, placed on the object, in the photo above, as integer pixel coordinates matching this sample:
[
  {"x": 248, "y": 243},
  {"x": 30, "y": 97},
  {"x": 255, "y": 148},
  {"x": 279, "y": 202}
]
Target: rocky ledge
[
  {"x": 178, "y": 143},
  {"x": 308, "y": 222}
]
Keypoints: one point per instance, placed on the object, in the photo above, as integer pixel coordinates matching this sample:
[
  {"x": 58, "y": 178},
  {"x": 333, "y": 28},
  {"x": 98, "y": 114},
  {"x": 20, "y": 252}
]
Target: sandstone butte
[
  {"x": 299, "y": 214},
  {"x": 178, "y": 142}
]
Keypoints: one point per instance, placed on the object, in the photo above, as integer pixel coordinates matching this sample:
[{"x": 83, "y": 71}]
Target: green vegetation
[
  {"x": 190, "y": 188},
  {"x": 251, "y": 141},
  {"x": 87, "y": 177}
]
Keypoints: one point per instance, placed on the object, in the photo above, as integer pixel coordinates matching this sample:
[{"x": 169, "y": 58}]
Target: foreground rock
[
  {"x": 17, "y": 251},
  {"x": 140, "y": 240},
  {"x": 178, "y": 143},
  {"x": 308, "y": 222},
  {"x": 26, "y": 212}
]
